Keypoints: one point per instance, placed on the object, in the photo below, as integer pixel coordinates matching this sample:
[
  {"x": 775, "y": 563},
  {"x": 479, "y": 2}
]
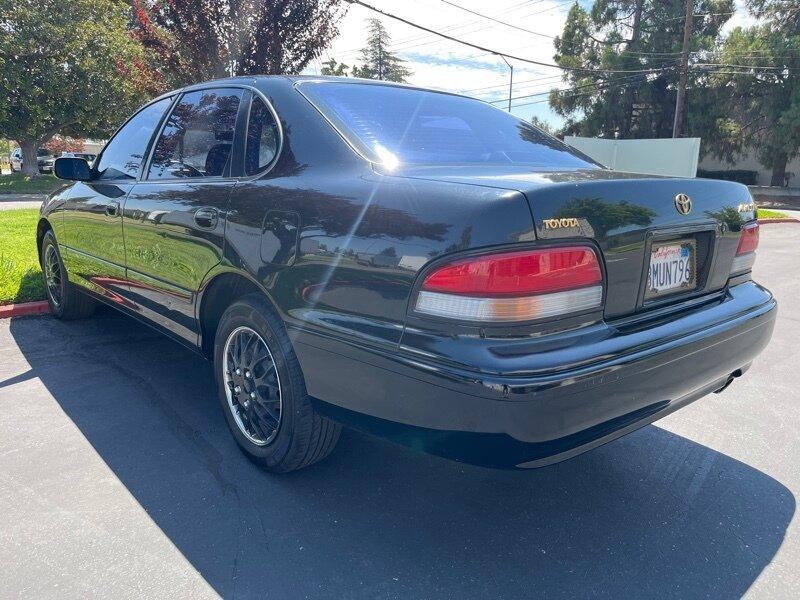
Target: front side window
[
  {"x": 395, "y": 126},
  {"x": 262, "y": 138},
  {"x": 197, "y": 138},
  {"x": 123, "y": 155}
]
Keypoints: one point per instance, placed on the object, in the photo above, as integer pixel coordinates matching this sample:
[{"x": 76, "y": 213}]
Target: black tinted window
[
  {"x": 123, "y": 155},
  {"x": 198, "y": 135},
  {"x": 262, "y": 137},
  {"x": 395, "y": 126}
]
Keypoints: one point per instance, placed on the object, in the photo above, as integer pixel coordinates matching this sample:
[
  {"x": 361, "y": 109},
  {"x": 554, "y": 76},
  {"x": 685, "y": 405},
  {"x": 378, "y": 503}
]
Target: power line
[
  {"x": 537, "y": 79},
  {"x": 544, "y": 35},
  {"x": 730, "y": 66},
  {"x": 612, "y": 84},
  {"x": 426, "y": 36},
  {"x": 497, "y": 52},
  {"x": 497, "y": 20},
  {"x": 579, "y": 94},
  {"x": 479, "y": 29},
  {"x": 599, "y": 85}
]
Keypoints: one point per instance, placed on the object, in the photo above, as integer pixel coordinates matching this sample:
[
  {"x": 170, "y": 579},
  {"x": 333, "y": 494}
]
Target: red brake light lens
[
  {"x": 748, "y": 242},
  {"x": 514, "y": 286},
  {"x": 518, "y": 273}
]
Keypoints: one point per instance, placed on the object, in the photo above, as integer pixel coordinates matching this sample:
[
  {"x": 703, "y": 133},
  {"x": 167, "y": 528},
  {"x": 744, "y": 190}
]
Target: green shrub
[{"x": 738, "y": 175}]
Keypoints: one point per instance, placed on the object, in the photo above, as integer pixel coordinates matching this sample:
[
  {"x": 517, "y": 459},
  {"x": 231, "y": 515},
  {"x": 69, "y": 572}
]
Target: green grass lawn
[
  {"x": 20, "y": 276},
  {"x": 764, "y": 213},
  {"x": 17, "y": 183}
]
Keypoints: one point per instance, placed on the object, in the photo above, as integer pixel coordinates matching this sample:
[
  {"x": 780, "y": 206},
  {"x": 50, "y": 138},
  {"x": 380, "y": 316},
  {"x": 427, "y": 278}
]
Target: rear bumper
[{"x": 577, "y": 394}]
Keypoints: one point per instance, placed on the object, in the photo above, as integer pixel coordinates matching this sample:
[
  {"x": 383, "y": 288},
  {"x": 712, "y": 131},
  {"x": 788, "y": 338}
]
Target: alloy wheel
[
  {"x": 52, "y": 274},
  {"x": 252, "y": 385}
]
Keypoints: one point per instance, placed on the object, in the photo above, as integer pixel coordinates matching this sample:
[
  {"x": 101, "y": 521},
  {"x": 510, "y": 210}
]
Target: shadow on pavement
[{"x": 653, "y": 514}]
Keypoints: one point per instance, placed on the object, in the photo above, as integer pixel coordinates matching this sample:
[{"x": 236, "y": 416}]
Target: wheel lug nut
[
  {"x": 253, "y": 395},
  {"x": 247, "y": 374},
  {"x": 238, "y": 371},
  {"x": 237, "y": 389}
]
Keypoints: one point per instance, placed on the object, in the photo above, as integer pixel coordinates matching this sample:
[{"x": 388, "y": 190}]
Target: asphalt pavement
[{"x": 119, "y": 479}]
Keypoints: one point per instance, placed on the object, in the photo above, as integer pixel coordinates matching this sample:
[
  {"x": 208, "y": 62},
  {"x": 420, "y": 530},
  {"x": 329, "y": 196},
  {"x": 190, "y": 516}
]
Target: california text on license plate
[{"x": 672, "y": 268}]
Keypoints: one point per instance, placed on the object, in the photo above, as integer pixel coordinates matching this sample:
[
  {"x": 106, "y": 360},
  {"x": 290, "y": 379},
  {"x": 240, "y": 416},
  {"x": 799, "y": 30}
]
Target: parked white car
[{"x": 44, "y": 160}]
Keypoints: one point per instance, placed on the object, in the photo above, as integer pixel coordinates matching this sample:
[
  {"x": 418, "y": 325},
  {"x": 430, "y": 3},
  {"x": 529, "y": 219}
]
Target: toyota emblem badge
[{"x": 683, "y": 203}]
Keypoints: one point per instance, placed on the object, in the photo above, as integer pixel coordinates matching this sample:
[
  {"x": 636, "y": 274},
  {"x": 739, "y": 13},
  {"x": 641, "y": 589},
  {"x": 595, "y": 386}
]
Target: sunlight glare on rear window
[{"x": 395, "y": 126}]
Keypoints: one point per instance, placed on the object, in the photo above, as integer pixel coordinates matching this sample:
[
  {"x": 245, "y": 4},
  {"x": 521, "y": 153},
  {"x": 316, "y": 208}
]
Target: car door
[
  {"x": 175, "y": 216},
  {"x": 92, "y": 245}
]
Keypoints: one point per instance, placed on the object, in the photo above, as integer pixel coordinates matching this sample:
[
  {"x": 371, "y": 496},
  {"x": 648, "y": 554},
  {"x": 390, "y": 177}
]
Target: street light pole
[{"x": 510, "y": 81}]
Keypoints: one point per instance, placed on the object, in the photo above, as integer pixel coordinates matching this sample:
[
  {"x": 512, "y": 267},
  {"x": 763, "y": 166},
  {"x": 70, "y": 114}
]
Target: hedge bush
[{"x": 738, "y": 175}]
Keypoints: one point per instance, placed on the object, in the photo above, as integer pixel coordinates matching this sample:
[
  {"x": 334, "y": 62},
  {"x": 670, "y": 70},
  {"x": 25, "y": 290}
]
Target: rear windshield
[{"x": 396, "y": 126}]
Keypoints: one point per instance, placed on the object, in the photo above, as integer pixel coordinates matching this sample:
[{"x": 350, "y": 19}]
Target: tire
[
  {"x": 65, "y": 300},
  {"x": 301, "y": 436}
]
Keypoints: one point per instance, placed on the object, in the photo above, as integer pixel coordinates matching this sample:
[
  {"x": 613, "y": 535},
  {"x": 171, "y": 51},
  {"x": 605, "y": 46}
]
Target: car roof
[{"x": 253, "y": 80}]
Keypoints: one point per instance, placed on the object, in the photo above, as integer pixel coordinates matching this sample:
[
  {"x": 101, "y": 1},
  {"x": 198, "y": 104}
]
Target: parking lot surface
[{"x": 118, "y": 478}]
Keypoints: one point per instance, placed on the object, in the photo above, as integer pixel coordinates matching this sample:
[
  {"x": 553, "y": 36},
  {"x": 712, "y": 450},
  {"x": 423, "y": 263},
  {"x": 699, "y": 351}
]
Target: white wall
[{"x": 676, "y": 157}]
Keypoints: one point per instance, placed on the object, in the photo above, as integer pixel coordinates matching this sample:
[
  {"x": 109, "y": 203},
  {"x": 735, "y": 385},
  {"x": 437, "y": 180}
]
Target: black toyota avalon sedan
[{"x": 412, "y": 263}]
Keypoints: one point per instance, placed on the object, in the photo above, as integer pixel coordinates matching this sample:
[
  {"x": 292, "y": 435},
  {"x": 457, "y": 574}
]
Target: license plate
[{"x": 672, "y": 269}]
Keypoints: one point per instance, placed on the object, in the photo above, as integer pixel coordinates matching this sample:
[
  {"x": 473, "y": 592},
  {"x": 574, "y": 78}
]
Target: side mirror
[{"x": 73, "y": 169}]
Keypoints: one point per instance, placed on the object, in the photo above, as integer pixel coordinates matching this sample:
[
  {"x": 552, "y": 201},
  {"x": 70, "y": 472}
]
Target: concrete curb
[
  {"x": 786, "y": 220},
  {"x": 25, "y": 309}
]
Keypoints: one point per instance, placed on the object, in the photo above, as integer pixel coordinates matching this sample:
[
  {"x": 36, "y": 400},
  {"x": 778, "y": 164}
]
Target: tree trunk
[
  {"x": 30, "y": 165},
  {"x": 779, "y": 171}
]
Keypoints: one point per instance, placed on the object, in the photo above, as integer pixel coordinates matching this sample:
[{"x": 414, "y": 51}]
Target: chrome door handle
[
  {"x": 112, "y": 209},
  {"x": 206, "y": 217}
]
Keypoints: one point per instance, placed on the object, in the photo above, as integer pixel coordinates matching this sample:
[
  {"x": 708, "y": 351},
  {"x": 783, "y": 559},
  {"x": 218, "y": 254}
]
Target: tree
[
  {"x": 756, "y": 105},
  {"x": 65, "y": 68},
  {"x": 331, "y": 67},
  {"x": 542, "y": 124},
  {"x": 629, "y": 37},
  {"x": 379, "y": 62},
  {"x": 58, "y": 145},
  {"x": 198, "y": 40}
]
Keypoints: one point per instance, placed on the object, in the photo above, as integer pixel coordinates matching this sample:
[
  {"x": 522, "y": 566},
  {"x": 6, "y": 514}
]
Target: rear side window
[
  {"x": 123, "y": 155},
  {"x": 262, "y": 138},
  {"x": 197, "y": 138},
  {"x": 395, "y": 126}
]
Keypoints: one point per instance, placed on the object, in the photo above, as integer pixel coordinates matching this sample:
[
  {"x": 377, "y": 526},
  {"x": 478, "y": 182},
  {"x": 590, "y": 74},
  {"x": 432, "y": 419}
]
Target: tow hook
[{"x": 731, "y": 377}]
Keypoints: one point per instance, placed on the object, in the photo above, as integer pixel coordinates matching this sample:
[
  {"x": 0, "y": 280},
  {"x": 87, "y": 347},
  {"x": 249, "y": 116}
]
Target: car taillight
[
  {"x": 514, "y": 286},
  {"x": 746, "y": 251}
]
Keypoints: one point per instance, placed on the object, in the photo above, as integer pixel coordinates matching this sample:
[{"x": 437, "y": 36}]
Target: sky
[{"x": 442, "y": 64}]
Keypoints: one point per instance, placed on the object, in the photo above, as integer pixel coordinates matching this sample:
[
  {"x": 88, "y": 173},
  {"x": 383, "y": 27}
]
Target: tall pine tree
[{"x": 378, "y": 61}]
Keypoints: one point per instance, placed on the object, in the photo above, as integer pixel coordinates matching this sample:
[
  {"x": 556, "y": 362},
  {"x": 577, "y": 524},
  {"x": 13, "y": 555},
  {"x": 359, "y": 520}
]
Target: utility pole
[
  {"x": 680, "y": 101},
  {"x": 510, "y": 81}
]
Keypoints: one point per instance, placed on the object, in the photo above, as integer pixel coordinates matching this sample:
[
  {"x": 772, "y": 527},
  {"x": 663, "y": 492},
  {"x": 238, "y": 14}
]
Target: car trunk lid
[{"x": 628, "y": 216}]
